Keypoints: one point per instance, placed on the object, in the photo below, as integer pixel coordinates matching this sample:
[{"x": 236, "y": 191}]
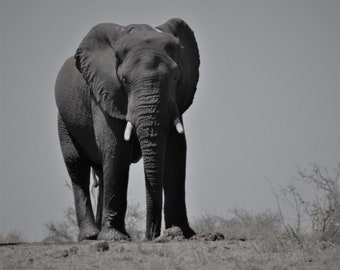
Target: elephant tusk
[
  {"x": 179, "y": 126},
  {"x": 127, "y": 133}
]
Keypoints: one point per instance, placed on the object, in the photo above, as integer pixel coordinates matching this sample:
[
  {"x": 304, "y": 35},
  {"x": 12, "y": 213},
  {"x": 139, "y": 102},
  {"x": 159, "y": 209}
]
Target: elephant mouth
[{"x": 130, "y": 128}]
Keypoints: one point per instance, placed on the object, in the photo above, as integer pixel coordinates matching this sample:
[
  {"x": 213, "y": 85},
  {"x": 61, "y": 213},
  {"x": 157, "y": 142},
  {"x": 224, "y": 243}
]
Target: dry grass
[
  {"x": 242, "y": 226},
  {"x": 228, "y": 254},
  {"x": 253, "y": 241}
]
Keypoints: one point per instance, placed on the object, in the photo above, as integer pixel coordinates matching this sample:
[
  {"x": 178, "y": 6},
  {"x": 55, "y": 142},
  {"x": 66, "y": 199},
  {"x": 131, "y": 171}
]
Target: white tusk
[
  {"x": 158, "y": 30},
  {"x": 127, "y": 133},
  {"x": 179, "y": 126}
]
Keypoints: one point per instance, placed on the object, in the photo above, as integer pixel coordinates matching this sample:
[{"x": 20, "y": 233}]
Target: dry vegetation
[
  {"x": 267, "y": 240},
  {"x": 226, "y": 254}
]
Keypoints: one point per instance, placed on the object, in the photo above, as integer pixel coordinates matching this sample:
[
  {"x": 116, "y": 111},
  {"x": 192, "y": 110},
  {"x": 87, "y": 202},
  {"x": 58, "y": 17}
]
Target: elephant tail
[
  {"x": 95, "y": 179},
  {"x": 96, "y": 190}
]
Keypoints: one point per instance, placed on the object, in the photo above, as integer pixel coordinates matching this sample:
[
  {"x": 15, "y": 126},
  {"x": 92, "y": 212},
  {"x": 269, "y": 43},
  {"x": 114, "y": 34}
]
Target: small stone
[
  {"x": 99, "y": 246},
  {"x": 208, "y": 236},
  {"x": 65, "y": 253},
  {"x": 219, "y": 236},
  {"x": 73, "y": 250}
]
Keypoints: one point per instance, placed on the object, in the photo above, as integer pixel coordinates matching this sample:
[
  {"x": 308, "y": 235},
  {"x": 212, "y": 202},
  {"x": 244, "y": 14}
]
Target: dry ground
[{"x": 226, "y": 254}]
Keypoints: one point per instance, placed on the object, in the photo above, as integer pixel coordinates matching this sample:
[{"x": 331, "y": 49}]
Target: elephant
[{"x": 121, "y": 98}]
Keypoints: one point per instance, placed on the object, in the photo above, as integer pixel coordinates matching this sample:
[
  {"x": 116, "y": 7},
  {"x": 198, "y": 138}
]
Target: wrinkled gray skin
[{"x": 142, "y": 75}]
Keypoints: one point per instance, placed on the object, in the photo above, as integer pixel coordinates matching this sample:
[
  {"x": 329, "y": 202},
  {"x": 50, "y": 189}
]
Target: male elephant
[{"x": 120, "y": 98}]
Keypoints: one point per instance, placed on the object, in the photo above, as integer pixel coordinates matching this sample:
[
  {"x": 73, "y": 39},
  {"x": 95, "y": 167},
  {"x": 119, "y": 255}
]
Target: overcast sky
[{"x": 268, "y": 99}]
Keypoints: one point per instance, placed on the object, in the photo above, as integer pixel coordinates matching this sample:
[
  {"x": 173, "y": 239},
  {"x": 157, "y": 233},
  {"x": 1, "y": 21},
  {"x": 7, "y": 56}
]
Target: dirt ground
[{"x": 199, "y": 254}]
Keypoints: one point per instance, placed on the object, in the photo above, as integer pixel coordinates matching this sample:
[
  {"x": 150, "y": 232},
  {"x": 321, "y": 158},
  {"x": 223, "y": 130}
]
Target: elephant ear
[
  {"x": 96, "y": 61},
  {"x": 189, "y": 61}
]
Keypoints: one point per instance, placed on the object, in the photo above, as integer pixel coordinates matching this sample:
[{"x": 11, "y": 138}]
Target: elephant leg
[
  {"x": 115, "y": 182},
  {"x": 174, "y": 183},
  {"x": 79, "y": 170},
  {"x": 116, "y": 154}
]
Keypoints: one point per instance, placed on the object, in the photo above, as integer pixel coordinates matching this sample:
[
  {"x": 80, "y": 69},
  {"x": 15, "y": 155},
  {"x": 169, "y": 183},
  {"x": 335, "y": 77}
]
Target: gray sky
[{"x": 268, "y": 99}]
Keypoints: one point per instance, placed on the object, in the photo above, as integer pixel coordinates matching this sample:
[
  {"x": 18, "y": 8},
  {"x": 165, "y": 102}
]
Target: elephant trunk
[
  {"x": 152, "y": 125},
  {"x": 153, "y": 158}
]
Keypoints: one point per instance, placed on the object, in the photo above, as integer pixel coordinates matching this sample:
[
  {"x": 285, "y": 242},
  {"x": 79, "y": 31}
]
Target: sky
[{"x": 268, "y": 100}]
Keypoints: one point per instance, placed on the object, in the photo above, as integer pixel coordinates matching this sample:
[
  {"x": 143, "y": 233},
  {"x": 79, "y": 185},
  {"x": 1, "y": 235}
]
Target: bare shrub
[
  {"x": 256, "y": 226},
  {"x": 209, "y": 222},
  {"x": 242, "y": 226},
  {"x": 13, "y": 236},
  {"x": 292, "y": 226},
  {"x": 65, "y": 231},
  {"x": 322, "y": 211},
  {"x": 135, "y": 221}
]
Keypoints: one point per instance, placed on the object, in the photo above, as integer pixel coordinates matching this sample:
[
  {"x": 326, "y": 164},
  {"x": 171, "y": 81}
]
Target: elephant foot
[
  {"x": 88, "y": 233},
  {"x": 175, "y": 233},
  {"x": 187, "y": 231},
  {"x": 111, "y": 234}
]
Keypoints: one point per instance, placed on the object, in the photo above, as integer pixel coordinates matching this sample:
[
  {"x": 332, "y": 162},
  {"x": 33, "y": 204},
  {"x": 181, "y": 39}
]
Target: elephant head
[{"x": 146, "y": 76}]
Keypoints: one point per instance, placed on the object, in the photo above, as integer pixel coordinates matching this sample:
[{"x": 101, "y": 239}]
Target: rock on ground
[{"x": 99, "y": 246}]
